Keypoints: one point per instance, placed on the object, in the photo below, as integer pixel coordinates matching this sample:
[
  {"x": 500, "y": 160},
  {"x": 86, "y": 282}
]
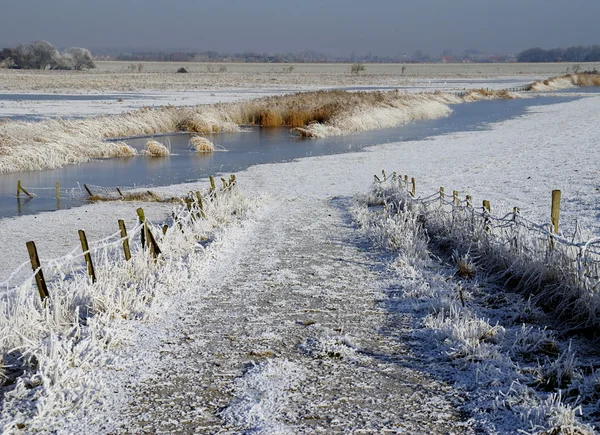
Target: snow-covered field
[{"x": 292, "y": 320}]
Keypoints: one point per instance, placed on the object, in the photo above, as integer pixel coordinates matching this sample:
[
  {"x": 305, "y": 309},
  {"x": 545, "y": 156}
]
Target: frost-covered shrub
[{"x": 80, "y": 58}]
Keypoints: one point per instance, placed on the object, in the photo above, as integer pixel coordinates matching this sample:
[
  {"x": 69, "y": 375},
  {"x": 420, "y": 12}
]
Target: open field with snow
[
  {"x": 294, "y": 307},
  {"x": 157, "y": 76}
]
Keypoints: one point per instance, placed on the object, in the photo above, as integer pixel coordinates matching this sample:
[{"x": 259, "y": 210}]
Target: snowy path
[{"x": 297, "y": 339}]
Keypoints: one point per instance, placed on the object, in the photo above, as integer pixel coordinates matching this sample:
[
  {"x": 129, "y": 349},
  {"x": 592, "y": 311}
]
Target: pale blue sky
[{"x": 336, "y": 27}]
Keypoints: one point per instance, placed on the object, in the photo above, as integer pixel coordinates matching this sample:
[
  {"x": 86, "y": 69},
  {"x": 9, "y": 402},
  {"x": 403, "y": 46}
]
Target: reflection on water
[{"x": 250, "y": 147}]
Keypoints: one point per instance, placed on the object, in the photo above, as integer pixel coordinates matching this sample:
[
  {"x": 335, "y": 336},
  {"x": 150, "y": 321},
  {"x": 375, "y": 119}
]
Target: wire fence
[
  {"x": 111, "y": 248},
  {"x": 560, "y": 270}
]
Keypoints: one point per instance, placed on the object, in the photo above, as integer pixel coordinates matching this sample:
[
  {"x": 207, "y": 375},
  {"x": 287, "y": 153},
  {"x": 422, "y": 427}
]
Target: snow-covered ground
[
  {"x": 47, "y": 106},
  {"x": 291, "y": 324}
]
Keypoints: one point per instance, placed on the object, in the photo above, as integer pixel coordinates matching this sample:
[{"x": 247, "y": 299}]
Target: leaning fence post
[
  {"x": 413, "y": 191},
  {"x": 88, "y": 190},
  {"x": 126, "y": 249},
  {"x": 20, "y": 189},
  {"x": 37, "y": 269},
  {"x": 142, "y": 219},
  {"x": 87, "y": 255},
  {"x": 154, "y": 249}
]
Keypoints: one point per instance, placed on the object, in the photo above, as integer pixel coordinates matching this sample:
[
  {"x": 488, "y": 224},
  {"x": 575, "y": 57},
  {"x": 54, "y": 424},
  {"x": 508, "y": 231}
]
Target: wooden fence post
[
  {"x": 232, "y": 180},
  {"x": 58, "y": 195},
  {"x": 441, "y": 194},
  {"x": 142, "y": 219},
  {"x": 213, "y": 188},
  {"x": 515, "y": 242},
  {"x": 200, "y": 206},
  {"x": 37, "y": 268},
  {"x": 87, "y": 255},
  {"x": 488, "y": 210},
  {"x": 414, "y": 187},
  {"x": 20, "y": 189},
  {"x": 126, "y": 249},
  {"x": 487, "y": 205},
  {"x": 469, "y": 200},
  {"x": 555, "y": 213},
  {"x": 455, "y": 197},
  {"x": 154, "y": 249},
  {"x": 88, "y": 189}
]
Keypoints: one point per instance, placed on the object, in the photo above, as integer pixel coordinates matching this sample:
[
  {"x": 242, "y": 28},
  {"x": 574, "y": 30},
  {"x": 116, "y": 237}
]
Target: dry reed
[
  {"x": 201, "y": 144},
  {"x": 156, "y": 149},
  {"x": 567, "y": 81}
]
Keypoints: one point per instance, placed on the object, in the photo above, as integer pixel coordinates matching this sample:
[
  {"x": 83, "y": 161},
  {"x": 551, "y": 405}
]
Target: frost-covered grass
[
  {"x": 567, "y": 81},
  {"x": 517, "y": 372},
  {"x": 156, "y": 149},
  {"x": 54, "y": 347},
  {"x": 561, "y": 272}
]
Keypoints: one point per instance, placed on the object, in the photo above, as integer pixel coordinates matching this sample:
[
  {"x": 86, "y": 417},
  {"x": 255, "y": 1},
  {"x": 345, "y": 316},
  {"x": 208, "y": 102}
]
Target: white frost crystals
[
  {"x": 62, "y": 345},
  {"x": 514, "y": 371},
  {"x": 262, "y": 396}
]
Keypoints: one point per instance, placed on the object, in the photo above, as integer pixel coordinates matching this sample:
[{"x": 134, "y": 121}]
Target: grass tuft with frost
[
  {"x": 156, "y": 149},
  {"x": 201, "y": 144}
]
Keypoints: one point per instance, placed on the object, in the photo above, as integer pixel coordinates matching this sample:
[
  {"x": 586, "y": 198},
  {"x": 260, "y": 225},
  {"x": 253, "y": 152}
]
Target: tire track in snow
[{"x": 294, "y": 339}]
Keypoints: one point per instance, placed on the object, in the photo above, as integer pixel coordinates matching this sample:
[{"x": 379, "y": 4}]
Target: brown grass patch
[
  {"x": 493, "y": 94},
  {"x": 156, "y": 149},
  {"x": 201, "y": 144},
  {"x": 587, "y": 79}
]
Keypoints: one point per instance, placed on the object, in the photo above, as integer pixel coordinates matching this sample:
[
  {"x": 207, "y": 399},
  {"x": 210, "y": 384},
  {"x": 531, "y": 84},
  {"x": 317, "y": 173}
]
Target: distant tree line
[
  {"x": 577, "y": 53},
  {"x": 44, "y": 55},
  {"x": 418, "y": 56}
]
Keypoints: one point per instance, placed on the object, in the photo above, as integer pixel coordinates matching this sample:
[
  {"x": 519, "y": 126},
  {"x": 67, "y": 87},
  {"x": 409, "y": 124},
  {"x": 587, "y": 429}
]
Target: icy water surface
[{"x": 250, "y": 147}]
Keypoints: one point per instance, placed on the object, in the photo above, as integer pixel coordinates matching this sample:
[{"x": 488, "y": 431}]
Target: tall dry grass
[{"x": 567, "y": 81}]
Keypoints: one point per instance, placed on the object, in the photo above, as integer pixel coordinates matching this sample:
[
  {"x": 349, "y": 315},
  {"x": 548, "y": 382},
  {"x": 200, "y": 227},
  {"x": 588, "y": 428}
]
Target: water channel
[{"x": 250, "y": 147}]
